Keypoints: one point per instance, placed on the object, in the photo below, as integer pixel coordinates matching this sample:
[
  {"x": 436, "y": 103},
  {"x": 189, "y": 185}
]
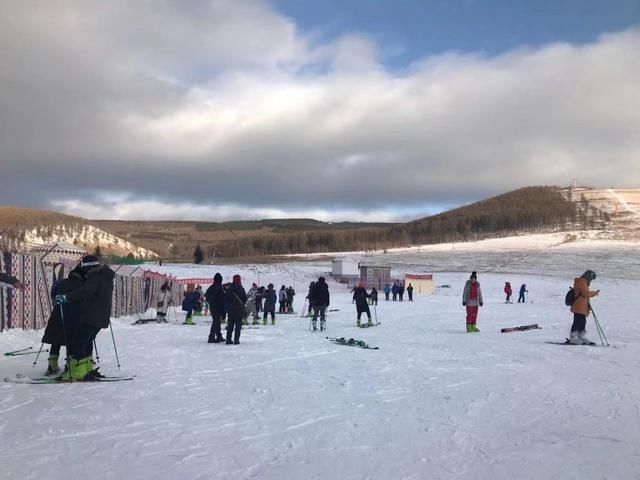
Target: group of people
[
  {"x": 397, "y": 291},
  {"x": 509, "y": 291},
  {"x": 285, "y": 298},
  {"x": 472, "y": 299}
]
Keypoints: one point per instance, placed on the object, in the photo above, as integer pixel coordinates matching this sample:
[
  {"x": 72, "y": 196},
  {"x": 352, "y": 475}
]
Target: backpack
[{"x": 570, "y": 297}]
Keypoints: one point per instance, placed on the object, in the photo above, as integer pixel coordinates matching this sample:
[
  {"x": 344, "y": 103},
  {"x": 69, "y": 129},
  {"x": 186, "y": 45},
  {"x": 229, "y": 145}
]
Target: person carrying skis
[
  {"x": 508, "y": 291},
  {"x": 581, "y": 307},
  {"x": 471, "y": 299},
  {"x": 387, "y": 291},
  {"x": 523, "y": 290},
  {"x": 164, "y": 298},
  {"x": 95, "y": 297},
  {"x": 362, "y": 306},
  {"x": 319, "y": 298},
  {"x": 270, "y": 299},
  {"x": 57, "y": 330},
  {"x": 282, "y": 299},
  {"x": 235, "y": 298},
  {"x": 215, "y": 298}
]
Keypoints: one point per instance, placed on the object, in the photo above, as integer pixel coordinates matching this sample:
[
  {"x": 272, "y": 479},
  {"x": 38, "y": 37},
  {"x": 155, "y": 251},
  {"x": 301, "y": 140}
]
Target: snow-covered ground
[{"x": 433, "y": 402}]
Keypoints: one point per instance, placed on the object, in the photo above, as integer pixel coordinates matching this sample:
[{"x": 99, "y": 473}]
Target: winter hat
[
  {"x": 321, "y": 279},
  {"x": 254, "y": 285},
  {"x": 88, "y": 262},
  {"x": 474, "y": 275},
  {"x": 589, "y": 275},
  {"x": 217, "y": 278},
  {"x": 237, "y": 279}
]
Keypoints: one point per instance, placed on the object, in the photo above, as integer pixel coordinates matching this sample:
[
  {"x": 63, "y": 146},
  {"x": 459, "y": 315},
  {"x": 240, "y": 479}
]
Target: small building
[
  {"x": 345, "y": 267},
  {"x": 421, "y": 282},
  {"x": 375, "y": 276}
]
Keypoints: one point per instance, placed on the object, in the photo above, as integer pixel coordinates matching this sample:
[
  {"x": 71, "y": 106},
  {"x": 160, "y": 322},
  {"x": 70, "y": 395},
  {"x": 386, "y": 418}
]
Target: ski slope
[{"x": 433, "y": 402}]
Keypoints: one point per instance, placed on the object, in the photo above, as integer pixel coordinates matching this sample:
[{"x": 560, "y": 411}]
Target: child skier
[
  {"x": 581, "y": 307},
  {"x": 471, "y": 299}
]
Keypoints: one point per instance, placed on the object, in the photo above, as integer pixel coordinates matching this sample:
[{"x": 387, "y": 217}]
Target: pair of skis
[
  {"x": 366, "y": 325},
  {"x": 21, "y": 378},
  {"x": 352, "y": 342}
]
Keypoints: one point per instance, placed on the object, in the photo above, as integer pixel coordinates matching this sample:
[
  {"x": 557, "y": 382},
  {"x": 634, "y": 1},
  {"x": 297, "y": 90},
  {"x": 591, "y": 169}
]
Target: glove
[
  {"x": 60, "y": 299},
  {"x": 481, "y": 303},
  {"x": 464, "y": 304}
]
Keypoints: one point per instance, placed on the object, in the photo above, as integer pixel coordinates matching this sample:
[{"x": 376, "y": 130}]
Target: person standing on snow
[
  {"x": 251, "y": 303},
  {"x": 270, "y": 299},
  {"x": 508, "y": 291},
  {"x": 235, "y": 298},
  {"x": 394, "y": 291},
  {"x": 471, "y": 299},
  {"x": 290, "y": 294},
  {"x": 282, "y": 299},
  {"x": 523, "y": 290},
  {"x": 362, "y": 306},
  {"x": 162, "y": 306},
  {"x": 319, "y": 298},
  {"x": 310, "y": 298},
  {"x": 95, "y": 297},
  {"x": 410, "y": 292},
  {"x": 374, "y": 296},
  {"x": 581, "y": 307},
  {"x": 387, "y": 291},
  {"x": 215, "y": 298}
]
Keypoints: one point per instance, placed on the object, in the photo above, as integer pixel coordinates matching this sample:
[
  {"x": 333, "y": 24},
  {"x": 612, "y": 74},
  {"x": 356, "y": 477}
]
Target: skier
[
  {"x": 164, "y": 298},
  {"x": 471, "y": 299},
  {"x": 270, "y": 298},
  {"x": 387, "y": 291},
  {"x": 95, "y": 297},
  {"x": 282, "y": 299},
  {"x": 581, "y": 307},
  {"x": 235, "y": 298},
  {"x": 190, "y": 299},
  {"x": 10, "y": 282},
  {"x": 410, "y": 292},
  {"x": 310, "y": 298},
  {"x": 215, "y": 298},
  {"x": 508, "y": 291},
  {"x": 374, "y": 296},
  {"x": 57, "y": 330},
  {"x": 523, "y": 290},
  {"x": 319, "y": 298},
  {"x": 362, "y": 306},
  {"x": 290, "y": 294},
  {"x": 251, "y": 303}
]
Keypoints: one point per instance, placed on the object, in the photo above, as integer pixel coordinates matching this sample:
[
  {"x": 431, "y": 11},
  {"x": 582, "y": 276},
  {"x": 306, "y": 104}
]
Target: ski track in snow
[{"x": 433, "y": 402}]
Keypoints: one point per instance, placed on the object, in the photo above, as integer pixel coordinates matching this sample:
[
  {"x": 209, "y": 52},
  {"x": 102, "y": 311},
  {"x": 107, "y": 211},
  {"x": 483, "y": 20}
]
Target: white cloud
[{"x": 228, "y": 105}]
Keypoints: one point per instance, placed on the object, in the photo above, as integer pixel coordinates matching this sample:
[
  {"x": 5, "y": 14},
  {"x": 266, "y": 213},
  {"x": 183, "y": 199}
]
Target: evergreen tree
[{"x": 198, "y": 256}]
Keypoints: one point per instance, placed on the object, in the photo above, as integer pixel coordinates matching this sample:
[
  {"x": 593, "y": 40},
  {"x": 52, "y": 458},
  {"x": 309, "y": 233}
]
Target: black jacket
[
  {"x": 360, "y": 295},
  {"x": 54, "y": 333},
  {"x": 235, "y": 297},
  {"x": 215, "y": 298},
  {"x": 95, "y": 297},
  {"x": 320, "y": 294}
]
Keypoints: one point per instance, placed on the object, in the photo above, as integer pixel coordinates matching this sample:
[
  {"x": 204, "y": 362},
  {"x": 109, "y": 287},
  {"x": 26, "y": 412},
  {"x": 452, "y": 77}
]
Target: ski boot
[
  {"x": 322, "y": 325},
  {"x": 245, "y": 321},
  {"x": 475, "y": 328},
  {"x": 315, "y": 326},
  {"x": 470, "y": 328},
  {"x": 584, "y": 340},
  {"x": 358, "y": 322},
  {"x": 273, "y": 321},
  {"x": 188, "y": 321},
  {"x": 52, "y": 368},
  {"x": 369, "y": 323},
  {"x": 264, "y": 321},
  {"x": 574, "y": 339}
]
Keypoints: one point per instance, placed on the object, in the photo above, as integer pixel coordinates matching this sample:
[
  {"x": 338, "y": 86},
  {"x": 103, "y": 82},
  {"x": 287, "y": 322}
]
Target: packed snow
[{"x": 433, "y": 402}]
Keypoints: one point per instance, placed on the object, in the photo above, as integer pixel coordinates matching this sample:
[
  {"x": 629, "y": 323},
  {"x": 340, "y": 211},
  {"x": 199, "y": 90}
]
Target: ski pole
[
  {"x": 18, "y": 351},
  {"x": 600, "y": 330},
  {"x": 375, "y": 312},
  {"x": 38, "y": 355},
  {"x": 304, "y": 308},
  {"x": 115, "y": 349},
  {"x": 95, "y": 348},
  {"x": 66, "y": 342}
]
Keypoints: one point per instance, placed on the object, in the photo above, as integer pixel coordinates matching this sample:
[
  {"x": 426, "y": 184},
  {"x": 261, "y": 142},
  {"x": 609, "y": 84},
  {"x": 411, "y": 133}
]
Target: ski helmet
[{"x": 589, "y": 275}]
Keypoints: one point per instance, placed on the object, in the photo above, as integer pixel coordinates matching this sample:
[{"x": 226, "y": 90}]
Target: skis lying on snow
[
  {"x": 366, "y": 325},
  {"x": 521, "y": 328},
  {"x": 142, "y": 321},
  {"x": 351, "y": 342}
]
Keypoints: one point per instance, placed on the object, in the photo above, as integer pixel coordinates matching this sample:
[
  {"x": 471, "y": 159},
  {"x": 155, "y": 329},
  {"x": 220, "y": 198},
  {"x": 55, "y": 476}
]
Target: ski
[
  {"x": 22, "y": 376},
  {"x": 366, "y": 325},
  {"x": 351, "y": 342},
  {"x": 522, "y": 328},
  {"x": 142, "y": 321},
  {"x": 48, "y": 380},
  {"x": 566, "y": 342}
]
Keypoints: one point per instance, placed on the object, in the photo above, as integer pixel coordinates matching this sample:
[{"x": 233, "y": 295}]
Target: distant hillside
[{"x": 24, "y": 228}]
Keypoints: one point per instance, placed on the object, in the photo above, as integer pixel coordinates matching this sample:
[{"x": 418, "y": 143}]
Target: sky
[{"x": 334, "y": 110}]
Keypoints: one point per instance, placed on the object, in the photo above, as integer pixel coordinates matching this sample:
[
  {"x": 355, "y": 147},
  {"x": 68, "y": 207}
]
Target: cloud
[{"x": 227, "y": 108}]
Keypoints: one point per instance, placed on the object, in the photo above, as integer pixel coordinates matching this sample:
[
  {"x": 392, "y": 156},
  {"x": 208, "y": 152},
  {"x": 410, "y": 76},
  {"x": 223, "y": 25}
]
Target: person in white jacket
[{"x": 164, "y": 297}]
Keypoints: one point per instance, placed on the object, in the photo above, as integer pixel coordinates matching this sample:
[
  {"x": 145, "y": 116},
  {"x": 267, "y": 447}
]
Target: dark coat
[
  {"x": 215, "y": 298},
  {"x": 360, "y": 295},
  {"x": 235, "y": 297},
  {"x": 191, "y": 300},
  {"x": 54, "y": 333},
  {"x": 270, "y": 299},
  {"x": 95, "y": 295},
  {"x": 319, "y": 296}
]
